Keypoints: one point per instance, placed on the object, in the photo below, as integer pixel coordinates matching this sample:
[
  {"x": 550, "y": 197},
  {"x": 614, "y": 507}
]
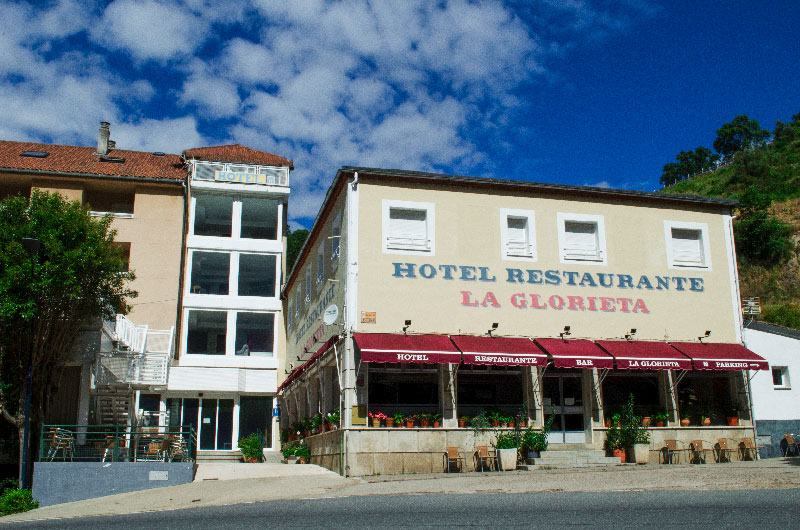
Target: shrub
[
  {"x": 506, "y": 440},
  {"x": 17, "y": 501},
  {"x": 783, "y": 314}
]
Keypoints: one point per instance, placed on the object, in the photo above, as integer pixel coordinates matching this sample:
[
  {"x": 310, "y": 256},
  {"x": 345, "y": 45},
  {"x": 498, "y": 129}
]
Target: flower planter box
[{"x": 641, "y": 453}]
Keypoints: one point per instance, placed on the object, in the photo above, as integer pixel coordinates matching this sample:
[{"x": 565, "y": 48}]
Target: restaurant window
[
  {"x": 408, "y": 227},
  {"x": 11, "y": 190},
  {"x": 116, "y": 203},
  {"x": 489, "y": 389},
  {"x": 255, "y": 334},
  {"x": 406, "y": 389},
  {"x": 517, "y": 234},
  {"x": 210, "y": 272},
  {"x": 687, "y": 245},
  {"x": 644, "y": 387},
  {"x": 706, "y": 395},
  {"x": 581, "y": 238},
  {"x": 206, "y": 333},
  {"x": 780, "y": 378},
  {"x": 213, "y": 215},
  {"x": 149, "y": 409},
  {"x": 257, "y": 275}
]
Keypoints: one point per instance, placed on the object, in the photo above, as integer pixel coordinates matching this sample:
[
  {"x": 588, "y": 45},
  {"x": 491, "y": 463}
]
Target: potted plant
[
  {"x": 533, "y": 442},
  {"x": 376, "y": 416},
  {"x": 463, "y": 421},
  {"x": 410, "y": 419},
  {"x": 252, "y": 447},
  {"x": 333, "y": 418},
  {"x": 302, "y": 453},
  {"x": 424, "y": 420},
  {"x": 506, "y": 446},
  {"x": 614, "y": 444},
  {"x": 316, "y": 423},
  {"x": 436, "y": 418},
  {"x": 495, "y": 417},
  {"x": 398, "y": 419},
  {"x": 288, "y": 451},
  {"x": 660, "y": 418},
  {"x": 731, "y": 412}
]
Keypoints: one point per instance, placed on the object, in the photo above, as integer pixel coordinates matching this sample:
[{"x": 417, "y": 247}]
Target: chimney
[
  {"x": 102, "y": 139},
  {"x": 111, "y": 145}
]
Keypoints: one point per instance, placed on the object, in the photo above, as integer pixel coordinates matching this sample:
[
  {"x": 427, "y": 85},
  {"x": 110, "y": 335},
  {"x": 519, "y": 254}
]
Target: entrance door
[
  {"x": 563, "y": 398},
  {"x": 216, "y": 424}
]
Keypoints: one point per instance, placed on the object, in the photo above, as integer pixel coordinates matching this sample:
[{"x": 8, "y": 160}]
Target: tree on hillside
[
  {"x": 739, "y": 134},
  {"x": 760, "y": 236},
  {"x": 294, "y": 242},
  {"x": 77, "y": 277},
  {"x": 786, "y": 133},
  {"x": 688, "y": 163}
]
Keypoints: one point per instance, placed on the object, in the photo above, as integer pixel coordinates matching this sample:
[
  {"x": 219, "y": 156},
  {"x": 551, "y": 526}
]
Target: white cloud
[
  {"x": 172, "y": 135},
  {"x": 150, "y": 30}
]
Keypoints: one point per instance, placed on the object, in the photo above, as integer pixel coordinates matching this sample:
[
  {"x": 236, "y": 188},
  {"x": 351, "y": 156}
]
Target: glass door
[{"x": 563, "y": 398}]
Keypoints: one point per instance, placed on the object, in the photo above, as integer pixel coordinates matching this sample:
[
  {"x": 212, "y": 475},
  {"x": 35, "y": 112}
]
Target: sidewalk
[{"x": 217, "y": 486}]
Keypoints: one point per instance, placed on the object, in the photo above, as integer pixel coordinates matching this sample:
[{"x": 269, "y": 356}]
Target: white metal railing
[
  {"x": 130, "y": 335},
  {"x": 242, "y": 174},
  {"x": 129, "y": 368}
]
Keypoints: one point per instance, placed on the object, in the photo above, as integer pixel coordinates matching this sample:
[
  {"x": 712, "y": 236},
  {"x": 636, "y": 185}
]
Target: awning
[
  {"x": 721, "y": 356},
  {"x": 645, "y": 355},
  {"x": 294, "y": 374},
  {"x": 575, "y": 353},
  {"x": 400, "y": 348},
  {"x": 499, "y": 350}
]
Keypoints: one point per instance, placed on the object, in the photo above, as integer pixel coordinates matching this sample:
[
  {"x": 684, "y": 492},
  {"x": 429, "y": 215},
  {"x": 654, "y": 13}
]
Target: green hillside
[{"x": 765, "y": 176}]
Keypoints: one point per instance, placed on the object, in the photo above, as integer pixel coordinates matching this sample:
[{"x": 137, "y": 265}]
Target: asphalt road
[{"x": 631, "y": 509}]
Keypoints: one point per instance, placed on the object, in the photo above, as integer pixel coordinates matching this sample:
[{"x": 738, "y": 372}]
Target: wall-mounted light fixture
[
  {"x": 629, "y": 335},
  {"x": 565, "y": 332},
  {"x": 705, "y": 336},
  {"x": 407, "y": 325},
  {"x": 493, "y": 328}
]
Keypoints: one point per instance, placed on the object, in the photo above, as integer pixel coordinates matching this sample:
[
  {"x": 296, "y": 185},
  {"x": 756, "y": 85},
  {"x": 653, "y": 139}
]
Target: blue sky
[{"x": 575, "y": 91}]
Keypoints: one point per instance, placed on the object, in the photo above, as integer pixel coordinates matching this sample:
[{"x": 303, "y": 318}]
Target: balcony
[{"x": 141, "y": 357}]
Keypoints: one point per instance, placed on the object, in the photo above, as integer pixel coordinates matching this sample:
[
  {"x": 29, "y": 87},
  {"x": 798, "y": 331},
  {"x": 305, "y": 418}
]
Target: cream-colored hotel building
[{"x": 430, "y": 294}]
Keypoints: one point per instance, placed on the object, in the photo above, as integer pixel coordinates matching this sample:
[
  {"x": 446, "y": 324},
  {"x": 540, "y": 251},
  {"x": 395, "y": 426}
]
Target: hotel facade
[{"x": 444, "y": 297}]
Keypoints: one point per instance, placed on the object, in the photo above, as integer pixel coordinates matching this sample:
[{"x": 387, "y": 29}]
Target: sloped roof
[
  {"x": 81, "y": 160},
  {"x": 237, "y": 153}
]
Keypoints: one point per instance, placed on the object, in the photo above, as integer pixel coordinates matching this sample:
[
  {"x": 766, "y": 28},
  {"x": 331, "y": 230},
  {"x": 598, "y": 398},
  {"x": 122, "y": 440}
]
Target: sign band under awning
[
  {"x": 575, "y": 353},
  {"x": 499, "y": 351},
  {"x": 721, "y": 356},
  {"x": 397, "y": 348},
  {"x": 645, "y": 355}
]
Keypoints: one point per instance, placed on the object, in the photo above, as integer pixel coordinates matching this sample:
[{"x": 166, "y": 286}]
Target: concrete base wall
[
  {"x": 770, "y": 434},
  {"x": 58, "y": 482},
  {"x": 406, "y": 451}
]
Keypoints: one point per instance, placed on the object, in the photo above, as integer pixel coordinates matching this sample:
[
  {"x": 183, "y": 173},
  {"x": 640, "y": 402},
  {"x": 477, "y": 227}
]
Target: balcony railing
[
  {"x": 129, "y": 368},
  {"x": 117, "y": 443}
]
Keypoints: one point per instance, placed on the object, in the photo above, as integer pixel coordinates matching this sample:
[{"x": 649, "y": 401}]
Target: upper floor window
[
  {"x": 517, "y": 234},
  {"x": 687, "y": 245},
  {"x": 320, "y": 266},
  {"x": 308, "y": 283},
  {"x": 230, "y": 333},
  {"x": 581, "y": 238},
  {"x": 253, "y": 274},
  {"x": 101, "y": 202},
  {"x": 408, "y": 227},
  {"x": 298, "y": 303},
  {"x": 235, "y": 216},
  {"x": 257, "y": 274},
  {"x": 210, "y": 272},
  {"x": 336, "y": 236}
]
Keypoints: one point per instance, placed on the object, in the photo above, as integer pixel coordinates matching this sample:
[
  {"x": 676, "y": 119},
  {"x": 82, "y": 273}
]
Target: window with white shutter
[
  {"x": 320, "y": 266},
  {"x": 336, "y": 237},
  {"x": 517, "y": 234},
  {"x": 687, "y": 245},
  {"x": 308, "y": 284},
  {"x": 581, "y": 238},
  {"x": 298, "y": 302},
  {"x": 407, "y": 227}
]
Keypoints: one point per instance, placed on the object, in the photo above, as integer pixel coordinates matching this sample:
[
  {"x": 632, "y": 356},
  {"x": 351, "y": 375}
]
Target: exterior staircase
[
  {"x": 218, "y": 456},
  {"x": 113, "y": 406},
  {"x": 565, "y": 457}
]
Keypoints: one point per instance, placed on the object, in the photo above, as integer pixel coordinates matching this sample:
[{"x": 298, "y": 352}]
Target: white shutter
[
  {"x": 407, "y": 229},
  {"x": 308, "y": 283},
  {"x": 580, "y": 241},
  {"x": 320, "y": 264},
  {"x": 687, "y": 247},
  {"x": 518, "y": 238},
  {"x": 336, "y": 232}
]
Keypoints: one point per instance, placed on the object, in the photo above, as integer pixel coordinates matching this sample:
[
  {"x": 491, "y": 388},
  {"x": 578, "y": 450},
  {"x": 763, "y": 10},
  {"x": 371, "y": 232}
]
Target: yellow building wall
[{"x": 468, "y": 233}]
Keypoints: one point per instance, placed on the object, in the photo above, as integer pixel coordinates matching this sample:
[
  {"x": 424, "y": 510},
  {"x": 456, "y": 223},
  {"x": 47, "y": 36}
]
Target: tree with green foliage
[
  {"x": 688, "y": 163},
  {"x": 760, "y": 236},
  {"x": 48, "y": 299},
  {"x": 786, "y": 133},
  {"x": 740, "y": 134},
  {"x": 294, "y": 243}
]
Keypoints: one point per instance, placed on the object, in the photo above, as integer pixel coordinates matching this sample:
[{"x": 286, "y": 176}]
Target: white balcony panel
[{"x": 199, "y": 379}]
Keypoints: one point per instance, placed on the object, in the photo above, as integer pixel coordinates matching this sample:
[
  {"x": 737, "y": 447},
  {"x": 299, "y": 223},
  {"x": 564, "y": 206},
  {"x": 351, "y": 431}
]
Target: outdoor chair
[
  {"x": 482, "y": 457},
  {"x": 748, "y": 450},
  {"x": 722, "y": 453},
  {"x": 670, "y": 452},
  {"x": 61, "y": 440},
  {"x": 452, "y": 455},
  {"x": 697, "y": 453},
  {"x": 790, "y": 446},
  {"x": 177, "y": 449},
  {"x": 111, "y": 444}
]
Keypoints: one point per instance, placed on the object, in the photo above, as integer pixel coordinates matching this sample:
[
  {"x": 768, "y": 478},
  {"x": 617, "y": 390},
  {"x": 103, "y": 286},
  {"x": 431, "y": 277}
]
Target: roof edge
[{"x": 76, "y": 174}]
